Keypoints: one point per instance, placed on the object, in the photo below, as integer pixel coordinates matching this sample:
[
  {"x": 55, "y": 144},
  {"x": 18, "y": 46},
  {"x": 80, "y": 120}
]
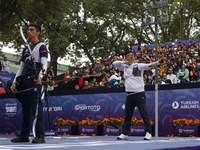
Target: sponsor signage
[
  {"x": 185, "y": 105},
  {"x": 87, "y": 107},
  {"x": 186, "y": 131},
  {"x": 87, "y": 129},
  {"x": 137, "y": 130},
  {"x": 63, "y": 129},
  {"x": 110, "y": 130},
  {"x": 11, "y": 109}
]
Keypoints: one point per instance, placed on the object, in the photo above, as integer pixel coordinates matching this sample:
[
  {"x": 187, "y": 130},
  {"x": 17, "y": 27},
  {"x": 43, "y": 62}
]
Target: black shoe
[
  {"x": 20, "y": 139},
  {"x": 39, "y": 139}
]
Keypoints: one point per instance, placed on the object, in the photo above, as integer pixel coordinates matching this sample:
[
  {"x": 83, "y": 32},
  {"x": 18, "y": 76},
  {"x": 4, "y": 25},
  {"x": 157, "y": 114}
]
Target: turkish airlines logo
[{"x": 175, "y": 105}]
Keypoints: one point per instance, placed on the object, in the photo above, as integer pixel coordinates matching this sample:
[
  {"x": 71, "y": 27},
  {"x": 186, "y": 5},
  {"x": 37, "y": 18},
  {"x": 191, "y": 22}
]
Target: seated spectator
[
  {"x": 86, "y": 73},
  {"x": 146, "y": 83},
  {"x": 114, "y": 79},
  {"x": 183, "y": 74},
  {"x": 7, "y": 88},
  {"x": 113, "y": 71},
  {"x": 85, "y": 85},
  {"x": 94, "y": 73},
  {"x": 96, "y": 84},
  {"x": 149, "y": 75},
  {"x": 73, "y": 75},
  {"x": 107, "y": 68},
  {"x": 121, "y": 84},
  {"x": 91, "y": 85},
  {"x": 103, "y": 81},
  {"x": 98, "y": 68},
  {"x": 153, "y": 81},
  {"x": 53, "y": 84},
  {"x": 160, "y": 80},
  {"x": 2, "y": 90},
  {"x": 171, "y": 76},
  {"x": 198, "y": 67},
  {"x": 79, "y": 72},
  {"x": 67, "y": 76},
  {"x": 167, "y": 81},
  {"x": 127, "y": 47},
  {"x": 94, "y": 79},
  {"x": 193, "y": 75},
  {"x": 106, "y": 85},
  {"x": 175, "y": 68},
  {"x": 50, "y": 74},
  {"x": 77, "y": 67},
  {"x": 107, "y": 76},
  {"x": 76, "y": 87}
]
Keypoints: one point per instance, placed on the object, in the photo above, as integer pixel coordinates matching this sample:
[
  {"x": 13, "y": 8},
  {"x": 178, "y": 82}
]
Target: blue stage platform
[{"x": 102, "y": 143}]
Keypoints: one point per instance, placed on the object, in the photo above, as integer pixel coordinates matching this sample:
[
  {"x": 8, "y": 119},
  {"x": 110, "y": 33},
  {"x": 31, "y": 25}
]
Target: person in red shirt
[
  {"x": 67, "y": 76},
  {"x": 2, "y": 90}
]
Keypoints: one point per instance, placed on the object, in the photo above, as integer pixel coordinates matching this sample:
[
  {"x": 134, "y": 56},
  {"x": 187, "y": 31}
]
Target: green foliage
[{"x": 78, "y": 28}]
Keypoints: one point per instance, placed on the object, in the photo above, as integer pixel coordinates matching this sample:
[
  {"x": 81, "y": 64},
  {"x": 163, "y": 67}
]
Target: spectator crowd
[{"x": 180, "y": 64}]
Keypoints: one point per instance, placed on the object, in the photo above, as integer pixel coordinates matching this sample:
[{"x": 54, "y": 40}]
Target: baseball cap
[
  {"x": 87, "y": 71},
  {"x": 121, "y": 82}
]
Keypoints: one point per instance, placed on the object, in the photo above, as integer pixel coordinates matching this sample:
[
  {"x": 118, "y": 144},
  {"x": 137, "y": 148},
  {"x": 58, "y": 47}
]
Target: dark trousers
[
  {"x": 28, "y": 101},
  {"x": 132, "y": 101}
]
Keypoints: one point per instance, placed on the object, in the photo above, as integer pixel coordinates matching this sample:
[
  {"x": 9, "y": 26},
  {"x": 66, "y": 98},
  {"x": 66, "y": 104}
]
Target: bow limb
[
  {"x": 22, "y": 34},
  {"x": 25, "y": 41}
]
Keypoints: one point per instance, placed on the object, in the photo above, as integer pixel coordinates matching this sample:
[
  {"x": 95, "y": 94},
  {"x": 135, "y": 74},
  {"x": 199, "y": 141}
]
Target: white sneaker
[
  {"x": 122, "y": 137},
  {"x": 148, "y": 136}
]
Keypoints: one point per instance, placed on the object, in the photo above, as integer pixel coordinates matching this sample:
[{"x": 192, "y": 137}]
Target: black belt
[
  {"x": 132, "y": 93},
  {"x": 27, "y": 77}
]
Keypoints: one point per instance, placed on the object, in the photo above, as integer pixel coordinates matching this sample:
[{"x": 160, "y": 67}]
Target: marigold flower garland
[
  {"x": 105, "y": 121},
  {"x": 185, "y": 122},
  {"x": 89, "y": 122},
  {"x": 120, "y": 121},
  {"x": 64, "y": 122}
]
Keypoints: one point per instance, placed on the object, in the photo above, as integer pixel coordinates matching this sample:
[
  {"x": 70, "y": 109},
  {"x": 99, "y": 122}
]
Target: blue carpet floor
[{"x": 102, "y": 143}]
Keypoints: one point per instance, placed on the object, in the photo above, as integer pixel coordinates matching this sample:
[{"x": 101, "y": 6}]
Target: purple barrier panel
[
  {"x": 90, "y": 129},
  {"x": 116, "y": 105},
  {"x": 10, "y": 115},
  {"x": 186, "y": 131},
  {"x": 175, "y": 104},
  {"x": 137, "y": 130},
  {"x": 46, "y": 133},
  {"x": 110, "y": 130},
  {"x": 77, "y": 108}
]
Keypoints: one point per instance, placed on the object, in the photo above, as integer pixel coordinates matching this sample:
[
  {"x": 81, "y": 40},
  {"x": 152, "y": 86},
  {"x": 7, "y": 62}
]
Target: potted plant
[
  {"x": 113, "y": 126},
  {"x": 89, "y": 127},
  {"x": 186, "y": 127},
  {"x": 66, "y": 126}
]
